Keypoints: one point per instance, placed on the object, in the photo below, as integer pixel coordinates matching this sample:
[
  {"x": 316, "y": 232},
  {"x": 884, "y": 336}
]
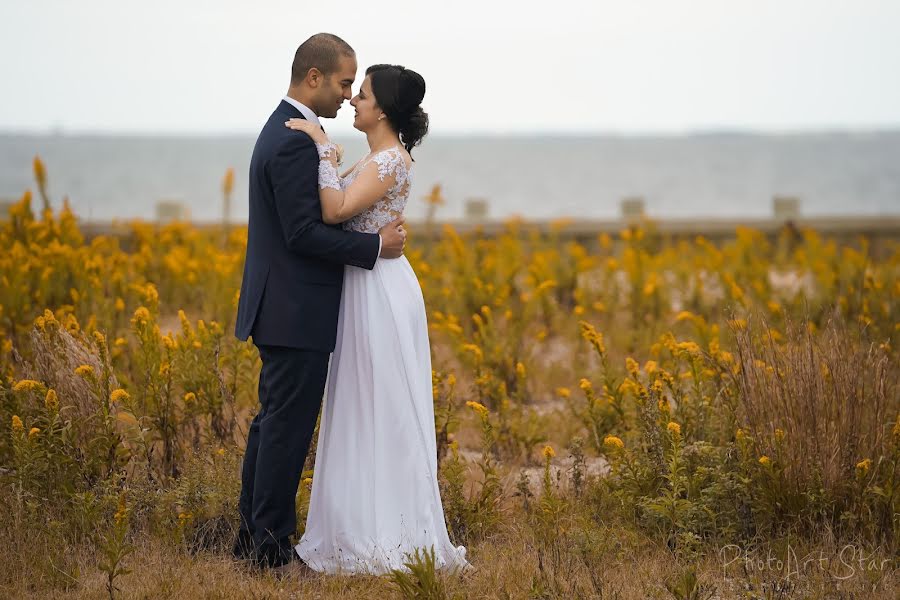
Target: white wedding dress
[{"x": 375, "y": 496}]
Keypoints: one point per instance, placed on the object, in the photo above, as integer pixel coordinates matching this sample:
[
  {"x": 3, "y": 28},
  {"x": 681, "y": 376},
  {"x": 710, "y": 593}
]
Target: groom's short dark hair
[{"x": 322, "y": 51}]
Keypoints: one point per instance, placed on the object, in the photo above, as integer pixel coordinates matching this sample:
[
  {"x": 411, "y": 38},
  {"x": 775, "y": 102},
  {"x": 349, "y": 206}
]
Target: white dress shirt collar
[{"x": 307, "y": 112}]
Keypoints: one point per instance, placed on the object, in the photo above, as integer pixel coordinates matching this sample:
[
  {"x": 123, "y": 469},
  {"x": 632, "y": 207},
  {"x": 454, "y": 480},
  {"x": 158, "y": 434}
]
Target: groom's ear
[{"x": 314, "y": 77}]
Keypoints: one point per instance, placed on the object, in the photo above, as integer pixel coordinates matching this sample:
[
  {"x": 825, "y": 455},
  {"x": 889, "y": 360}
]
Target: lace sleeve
[
  {"x": 390, "y": 162},
  {"x": 328, "y": 175}
]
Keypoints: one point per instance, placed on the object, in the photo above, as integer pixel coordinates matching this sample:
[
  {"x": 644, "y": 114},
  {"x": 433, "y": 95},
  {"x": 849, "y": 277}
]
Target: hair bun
[{"x": 399, "y": 92}]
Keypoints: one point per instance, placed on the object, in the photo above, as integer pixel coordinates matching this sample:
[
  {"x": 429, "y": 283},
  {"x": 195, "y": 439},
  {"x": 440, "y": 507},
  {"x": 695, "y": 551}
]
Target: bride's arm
[{"x": 369, "y": 186}]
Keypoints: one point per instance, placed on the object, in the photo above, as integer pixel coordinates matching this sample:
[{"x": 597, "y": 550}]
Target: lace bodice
[{"x": 391, "y": 206}]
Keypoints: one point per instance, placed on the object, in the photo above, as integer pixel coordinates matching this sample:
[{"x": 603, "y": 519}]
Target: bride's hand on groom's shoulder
[{"x": 311, "y": 129}]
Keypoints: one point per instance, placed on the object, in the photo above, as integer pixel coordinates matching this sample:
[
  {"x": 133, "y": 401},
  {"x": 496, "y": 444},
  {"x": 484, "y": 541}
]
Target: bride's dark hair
[{"x": 399, "y": 92}]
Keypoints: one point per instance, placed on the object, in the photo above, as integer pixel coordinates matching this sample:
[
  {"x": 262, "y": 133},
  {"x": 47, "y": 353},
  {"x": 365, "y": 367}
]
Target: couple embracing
[{"x": 325, "y": 275}]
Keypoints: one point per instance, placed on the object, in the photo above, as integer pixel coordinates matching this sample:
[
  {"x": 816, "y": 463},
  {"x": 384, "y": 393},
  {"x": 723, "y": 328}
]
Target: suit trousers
[{"x": 291, "y": 386}]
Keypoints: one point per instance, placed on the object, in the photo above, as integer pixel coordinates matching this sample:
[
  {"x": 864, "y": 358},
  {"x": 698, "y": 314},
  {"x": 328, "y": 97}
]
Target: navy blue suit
[{"x": 290, "y": 296}]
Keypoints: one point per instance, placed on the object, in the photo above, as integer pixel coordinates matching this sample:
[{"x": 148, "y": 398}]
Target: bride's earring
[{"x": 381, "y": 117}]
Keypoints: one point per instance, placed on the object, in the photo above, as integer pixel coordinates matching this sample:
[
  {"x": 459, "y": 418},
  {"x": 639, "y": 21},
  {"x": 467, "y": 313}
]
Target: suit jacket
[{"x": 294, "y": 267}]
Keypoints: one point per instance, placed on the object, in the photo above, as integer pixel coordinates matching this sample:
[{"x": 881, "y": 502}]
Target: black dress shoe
[{"x": 243, "y": 546}]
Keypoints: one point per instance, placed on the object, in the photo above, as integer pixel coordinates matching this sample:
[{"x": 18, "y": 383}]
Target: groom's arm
[{"x": 295, "y": 179}]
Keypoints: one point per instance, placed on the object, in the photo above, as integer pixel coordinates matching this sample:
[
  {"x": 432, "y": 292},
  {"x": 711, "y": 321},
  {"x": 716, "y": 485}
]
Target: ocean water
[{"x": 716, "y": 175}]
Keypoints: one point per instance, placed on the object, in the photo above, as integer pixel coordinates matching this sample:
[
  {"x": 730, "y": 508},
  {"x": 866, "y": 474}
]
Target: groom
[{"x": 290, "y": 295}]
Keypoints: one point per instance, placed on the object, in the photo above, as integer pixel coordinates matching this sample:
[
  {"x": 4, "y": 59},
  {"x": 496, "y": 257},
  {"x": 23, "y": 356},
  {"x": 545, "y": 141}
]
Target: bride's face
[{"x": 367, "y": 111}]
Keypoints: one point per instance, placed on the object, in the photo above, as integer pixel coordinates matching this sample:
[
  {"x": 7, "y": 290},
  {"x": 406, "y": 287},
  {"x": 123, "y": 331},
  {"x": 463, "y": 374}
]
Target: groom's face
[{"x": 336, "y": 88}]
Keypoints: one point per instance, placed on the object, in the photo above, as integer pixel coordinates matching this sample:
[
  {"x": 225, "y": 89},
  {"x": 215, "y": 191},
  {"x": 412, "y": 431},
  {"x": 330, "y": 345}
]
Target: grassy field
[{"x": 642, "y": 418}]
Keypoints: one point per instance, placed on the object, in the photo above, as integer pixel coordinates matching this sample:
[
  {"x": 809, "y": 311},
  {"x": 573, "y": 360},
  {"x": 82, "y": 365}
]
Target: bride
[{"x": 375, "y": 497}]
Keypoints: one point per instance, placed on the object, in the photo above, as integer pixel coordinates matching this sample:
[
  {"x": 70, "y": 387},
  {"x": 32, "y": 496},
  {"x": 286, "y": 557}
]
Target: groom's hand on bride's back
[{"x": 393, "y": 238}]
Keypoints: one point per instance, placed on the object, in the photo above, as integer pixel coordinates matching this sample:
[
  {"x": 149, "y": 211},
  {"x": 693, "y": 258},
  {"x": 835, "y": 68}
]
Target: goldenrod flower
[
  {"x": 486, "y": 310},
  {"x": 586, "y": 386},
  {"x": 688, "y": 347},
  {"x": 190, "y": 397},
  {"x": 481, "y": 409},
  {"x": 779, "y": 435},
  {"x": 99, "y": 338},
  {"x": 863, "y": 466},
  {"x": 119, "y": 395},
  {"x": 737, "y": 324},
  {"x": 141, "y": 316},
  {"x": 563, "y": 392},
  {"x": 169, "y": 342},
  {"x": 764, "y": 460},
  {"x": 221, "y": 451},
  {"x": 164, "y": 369},
  {"x": 51, "y": 402},
  {"x": 546, "y": 285},
  {"x": 40, "y": 173},
  {"x": 451, "y": 379},
  {"x": 613, "y": 443},
  {"x": 578, "y": 310},
  {"x": 84, "y": 371},
  {"x": 119, "y": 305},
  {"x": 520, "y": 370},
  {"x": 548, "y": 452},
  {"x": 474, "y": 349},
  {"x": 740, "y": 435},
  {"x": 632, "y": 367},
  {"x": 685, "y": 315},
  {"x": 674, "y": 428},
  {"x": 27, "y": 385},
  {"x": 33, "y": 433},
  {"x": 307, "y": 481},
  {"x": 589, "y": 333},
  {"x": 17, "y": 425},
  {"x": 651, "y": 367}
]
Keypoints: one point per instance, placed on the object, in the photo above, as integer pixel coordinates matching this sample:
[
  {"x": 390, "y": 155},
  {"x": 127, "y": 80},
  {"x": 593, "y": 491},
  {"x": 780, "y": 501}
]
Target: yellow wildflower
[
  {"x": 474, "y": 349},
  {"x": 863, "y": 466},
  {"x": 589, "y": 333},
  {"x": 451, "y": 379},
  {"x": 27, "y": 385},
  {"x": 481, "y": 409},
  {"x": 779, "y": 435},
  {"x": 632, "y": 367},
  {"x": 33, "y": 433},
  {"x": 51, "y": 401},
  {"x": 119, "y": 305},
  {"x": 119, "y": 395},
  {"x": 563, "y": 392},
  {"x": 141, "y": 316},
  {"x": 307, "y": 481},
  {"x": 84, "y": 371},
  {"x": 40, "y": 173},
  {"x": 520, "y": 370},
  {"x": 548, "y": 452},
  {"x": 613, "y": 443},
  {"x": 578, "y": 310},
  {"x": 221, "y": 451},
  {"x": 650, "y": 367},
  {"x": 674, "y": 428},
  {"x": 190, "y": 397},
  {"x": 684, "y": 315},
  {"x": 764, "y": 460},
  {"x": 737, "y": 324},
  {"x": 17, "y": 425},
  {"x": 120, "y": 342},
  {"x": 586, "y": 386}
]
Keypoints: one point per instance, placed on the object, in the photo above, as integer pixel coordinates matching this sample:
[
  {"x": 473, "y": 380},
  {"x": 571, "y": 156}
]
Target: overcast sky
[{"x": 636, "y": 66}]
